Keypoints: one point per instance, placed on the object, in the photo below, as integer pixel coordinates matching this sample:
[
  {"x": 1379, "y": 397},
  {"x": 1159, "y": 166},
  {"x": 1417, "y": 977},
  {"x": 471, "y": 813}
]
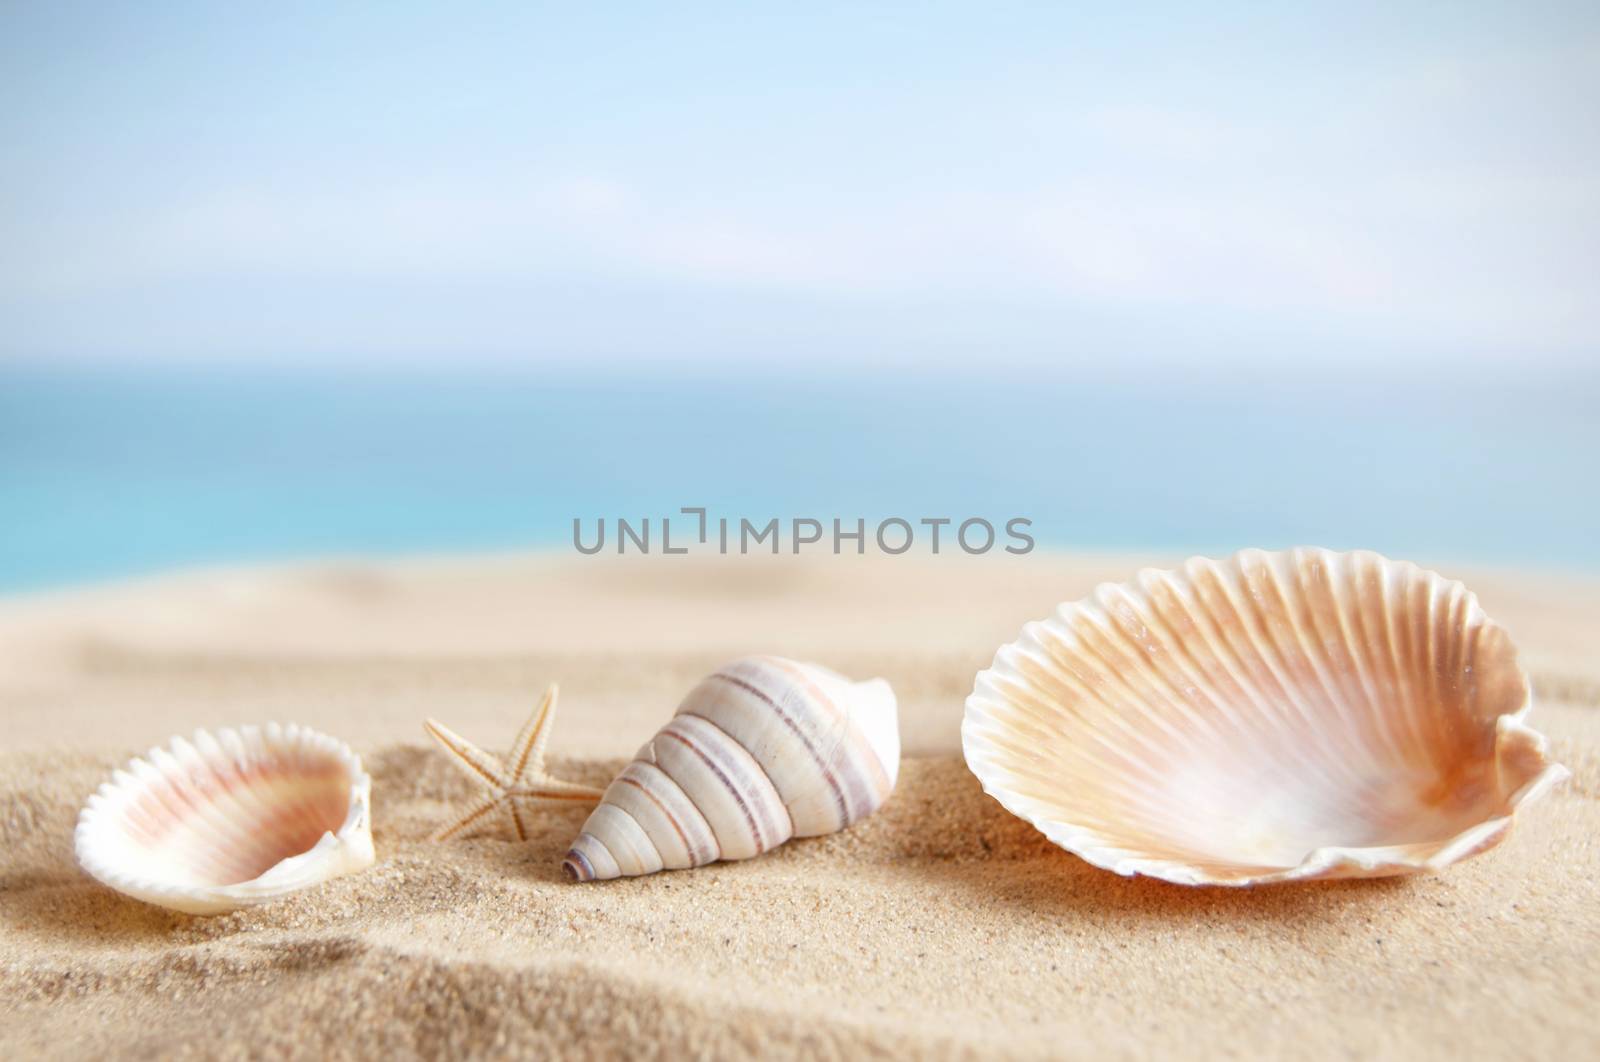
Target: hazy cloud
[{"x": 1441, "y": 195}]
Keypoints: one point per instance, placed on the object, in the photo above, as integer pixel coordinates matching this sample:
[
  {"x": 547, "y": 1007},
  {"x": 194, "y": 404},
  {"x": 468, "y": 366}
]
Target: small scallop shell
[
  {"x": 225, "y": 821},
  {"x": 1270, "y": 717},
  {"x": 763, "y": 750}
]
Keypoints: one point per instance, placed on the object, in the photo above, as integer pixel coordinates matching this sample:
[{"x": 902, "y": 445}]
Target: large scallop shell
[
  {"x": 1270, "y": 717},
  {"x": 225, "y": 821},
  {"x": 762, "y": 750}
]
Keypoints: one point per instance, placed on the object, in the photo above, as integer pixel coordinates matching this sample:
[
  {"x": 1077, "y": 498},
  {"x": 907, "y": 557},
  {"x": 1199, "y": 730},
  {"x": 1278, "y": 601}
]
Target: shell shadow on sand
[
  {"x": 938, "y": 828},
  {"x": 941, "y": 827}
]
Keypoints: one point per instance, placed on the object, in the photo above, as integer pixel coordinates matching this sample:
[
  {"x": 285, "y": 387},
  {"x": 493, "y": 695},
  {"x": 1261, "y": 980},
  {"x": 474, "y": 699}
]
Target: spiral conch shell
[
  {"x": 1270, "y": 717},
  {"x": 763, "y": 750},
  {"x": 228, "y": 820}
]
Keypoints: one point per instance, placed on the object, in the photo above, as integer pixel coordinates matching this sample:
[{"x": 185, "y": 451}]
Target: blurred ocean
[{"x": 108, "y": 472}]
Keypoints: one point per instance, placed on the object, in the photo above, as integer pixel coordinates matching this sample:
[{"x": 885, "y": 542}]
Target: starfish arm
[
  {"x": 468, "y": 820},
  {"x": 527, "y": 752},
  {"x": 471, "y": 759},
  {"x": 515, "y": 816},
  {"x": 521, "y": 778},
  {"x": 554, "y": 789}
]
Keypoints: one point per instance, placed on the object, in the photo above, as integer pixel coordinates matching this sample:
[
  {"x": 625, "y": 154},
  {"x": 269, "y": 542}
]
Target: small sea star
[{"x": 521, "y": 777}]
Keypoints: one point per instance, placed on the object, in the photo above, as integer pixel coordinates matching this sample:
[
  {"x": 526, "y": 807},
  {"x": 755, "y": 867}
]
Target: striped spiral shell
[
  {"x": 1269, "y": 717},
  {"x": 763, "y": 750}
]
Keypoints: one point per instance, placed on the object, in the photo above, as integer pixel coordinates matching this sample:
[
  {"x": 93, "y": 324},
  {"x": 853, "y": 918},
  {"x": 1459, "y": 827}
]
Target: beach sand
[{"x": 941, "y": 925}]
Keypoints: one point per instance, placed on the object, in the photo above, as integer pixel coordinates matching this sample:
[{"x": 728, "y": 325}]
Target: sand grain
[{"x": 941, "y": 925}]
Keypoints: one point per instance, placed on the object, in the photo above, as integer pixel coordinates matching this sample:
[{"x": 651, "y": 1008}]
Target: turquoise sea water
[{"x": 107, "y": 472}]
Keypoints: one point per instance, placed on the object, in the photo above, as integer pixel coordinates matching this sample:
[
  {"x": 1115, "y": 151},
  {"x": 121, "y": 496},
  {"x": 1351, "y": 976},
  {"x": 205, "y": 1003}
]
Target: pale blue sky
[{"x": 520, "y": 183}]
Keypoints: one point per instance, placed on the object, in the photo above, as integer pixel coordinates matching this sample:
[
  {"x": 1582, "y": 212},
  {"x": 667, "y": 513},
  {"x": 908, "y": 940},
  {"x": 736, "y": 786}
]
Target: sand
[{"x": 940, "y": 926}]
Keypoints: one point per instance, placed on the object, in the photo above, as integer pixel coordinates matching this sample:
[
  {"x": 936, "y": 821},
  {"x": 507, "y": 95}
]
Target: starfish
[{"x": 519, "y": 778}]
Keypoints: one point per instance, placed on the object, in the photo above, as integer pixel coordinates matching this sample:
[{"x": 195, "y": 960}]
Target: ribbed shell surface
[
  {"x": 760, "y": 751},
  {"x": 1267, "y": 717},
  {"x": 229, "y": 819}
]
